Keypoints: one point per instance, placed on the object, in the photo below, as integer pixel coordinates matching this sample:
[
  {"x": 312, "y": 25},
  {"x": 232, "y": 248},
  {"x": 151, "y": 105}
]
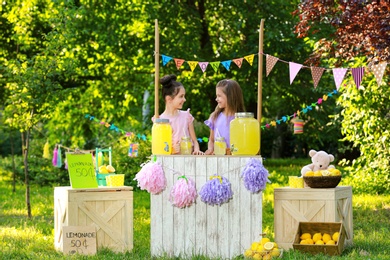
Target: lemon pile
[
  {"x": 263, "y": 249},
  {"x": 328, "y": 172},
  {"x": 319, "y": 239}
]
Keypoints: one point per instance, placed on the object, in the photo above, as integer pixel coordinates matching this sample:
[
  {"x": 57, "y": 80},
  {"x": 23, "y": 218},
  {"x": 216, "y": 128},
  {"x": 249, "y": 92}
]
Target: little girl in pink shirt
[{"x": 173, "y": 93}]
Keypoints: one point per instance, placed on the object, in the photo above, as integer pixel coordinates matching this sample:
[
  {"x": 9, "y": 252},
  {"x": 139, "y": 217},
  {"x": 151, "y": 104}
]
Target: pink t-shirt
[{"x": 179, "y": 124}]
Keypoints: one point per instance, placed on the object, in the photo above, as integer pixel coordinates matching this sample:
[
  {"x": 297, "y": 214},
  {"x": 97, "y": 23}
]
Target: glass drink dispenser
[
  {"x": 244, "y": 134},
  {"x": 161, "y": 137}
]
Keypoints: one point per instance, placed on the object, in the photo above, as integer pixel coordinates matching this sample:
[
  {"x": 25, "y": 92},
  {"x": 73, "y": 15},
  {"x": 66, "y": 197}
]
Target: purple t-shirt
[{"x": 221, "y": 127}]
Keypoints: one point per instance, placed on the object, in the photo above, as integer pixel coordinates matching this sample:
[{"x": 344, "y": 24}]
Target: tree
[{"x": 360, "y": 37}]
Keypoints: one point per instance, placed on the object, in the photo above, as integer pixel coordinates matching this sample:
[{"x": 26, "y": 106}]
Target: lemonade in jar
[
  {"x": 244, "y": 134},
  {"x": 161, "y": 137}
]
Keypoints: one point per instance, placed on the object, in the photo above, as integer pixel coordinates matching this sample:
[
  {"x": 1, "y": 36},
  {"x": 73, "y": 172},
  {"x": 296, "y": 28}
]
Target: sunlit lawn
[{"x": 34, "y": 239}]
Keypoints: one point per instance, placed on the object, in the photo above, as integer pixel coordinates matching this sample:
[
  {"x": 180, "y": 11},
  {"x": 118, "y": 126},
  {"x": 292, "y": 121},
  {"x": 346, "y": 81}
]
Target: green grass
[{"x": 22, "y": 238}]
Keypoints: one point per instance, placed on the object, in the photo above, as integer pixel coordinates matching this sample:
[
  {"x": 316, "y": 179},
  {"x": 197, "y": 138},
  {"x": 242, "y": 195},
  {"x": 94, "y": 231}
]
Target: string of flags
[
  {"x": 306, "y": 109},
  {"x": 294, "y": 68}
]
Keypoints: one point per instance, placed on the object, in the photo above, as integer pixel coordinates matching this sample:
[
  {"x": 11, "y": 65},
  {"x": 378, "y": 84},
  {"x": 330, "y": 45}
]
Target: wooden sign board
[
  {"x": 81, "y": 171},
  {"x": 79, "y": 240}
]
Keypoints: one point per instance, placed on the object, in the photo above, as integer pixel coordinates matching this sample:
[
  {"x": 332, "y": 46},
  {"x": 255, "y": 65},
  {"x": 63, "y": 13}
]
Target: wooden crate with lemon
[{"x": 320, "y": 237}]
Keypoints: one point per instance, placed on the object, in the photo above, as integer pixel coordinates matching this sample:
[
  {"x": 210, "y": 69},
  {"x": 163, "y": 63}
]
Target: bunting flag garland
[
  {"x": 357, "y": 74},
  {"x": 305, "y": 110},
  {"x": 294, "y": 69},
  {"x": 115, "y": 128},
  {"x": 316, "y": 74},
  {"x": 378, "y": 70},
  {"x": 270, "y": 63},
  {"x": 338, "y": 75}
]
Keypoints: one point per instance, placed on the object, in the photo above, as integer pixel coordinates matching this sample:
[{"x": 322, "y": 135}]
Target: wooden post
[
  {"x": 260, "y": 77},
  {"x": 156, "y": 67}
]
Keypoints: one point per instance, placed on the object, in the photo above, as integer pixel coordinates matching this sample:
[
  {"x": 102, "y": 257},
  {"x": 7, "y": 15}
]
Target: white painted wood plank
[
  {"x": 212, "y": 214},
  {"x": 179, "y": 225},
  {"x": 201, "y": 213},
  {"x": 223, "y": 211},
  {"x": 167, "y": 209},
  {"x": 190, "y": 218},
  {"x": 156, "y": 222}
]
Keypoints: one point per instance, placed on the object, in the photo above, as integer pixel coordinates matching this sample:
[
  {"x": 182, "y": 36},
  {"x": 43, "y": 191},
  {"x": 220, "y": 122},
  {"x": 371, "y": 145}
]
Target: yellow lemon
[
  {"x": 268, "y": 246},
  {"x": 316, "y": 237},
  {"x": 326, "y": 237},
  {"x": 257, "y": 256},
  {"x": 275, "y": 245},
  {"x": 317, "y": 173},
  {"x": 330, "y": 242},
  {"x": 264, "y": 240},
  {"x": 310, "y": 241},
  {"x": 325, "y": 173},
  {"x": 267, "y": 256},
  {"x": 335, "y": 236},
  {"x": 275, "y": 252},
  {"x": 305, "y": 236},
  {"x": 255, "y": 245},
  {"x": 248, "y": 253},
  {"x": 260, "y": 248},
  {"x": 309, "y": 173},
  {"x": 303, "y": 242},
  {"x": 319, "y": 242}
]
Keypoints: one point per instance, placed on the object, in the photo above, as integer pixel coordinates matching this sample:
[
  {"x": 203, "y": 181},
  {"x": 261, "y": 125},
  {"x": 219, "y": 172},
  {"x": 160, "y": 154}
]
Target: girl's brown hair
[
  {"x": 170, "y": 87},
  {"x": 235, "y": 99}
]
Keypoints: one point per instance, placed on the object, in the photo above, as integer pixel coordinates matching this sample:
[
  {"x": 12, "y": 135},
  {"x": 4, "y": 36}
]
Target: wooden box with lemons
[
  {"x": 329, "y": 178},
  {"x": 320, "y": 237}
]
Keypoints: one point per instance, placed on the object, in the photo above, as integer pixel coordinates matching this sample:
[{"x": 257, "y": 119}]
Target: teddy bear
[{"x": 320, "y": 161}]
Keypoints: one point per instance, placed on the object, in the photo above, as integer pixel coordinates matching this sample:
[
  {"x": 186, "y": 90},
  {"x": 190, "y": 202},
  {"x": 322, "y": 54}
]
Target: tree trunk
[
  {"x": 25, "y": 142},
  {"x": 13, "y": 162}
]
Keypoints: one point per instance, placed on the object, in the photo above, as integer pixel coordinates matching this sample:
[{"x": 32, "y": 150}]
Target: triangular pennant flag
[
  {"x": 215, "y": 65},
  {"x": 178, "y": 62},
  {"x": 192, "y": 64},
  {"x": 238, "y": 62},
  {"x": 249, "y": 58},
  {"x": 271, "y": 61},
  {"x": 203, "y": 65},
  {"x": 226, "y": 64},
  {"x": 338, "y": 75},
  {"x": 294, "y": 69},
  {"x": 316, "y": 73},
  {"x": 357, "y": 74},
  {"x": 378, "y": 70},
  {"x": 165, "y": 59}
]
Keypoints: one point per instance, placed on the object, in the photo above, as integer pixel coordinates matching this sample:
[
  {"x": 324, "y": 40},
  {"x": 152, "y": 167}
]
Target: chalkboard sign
[
  {"x": 79, "y": 240},
  {"x": 81, "y": 171}
]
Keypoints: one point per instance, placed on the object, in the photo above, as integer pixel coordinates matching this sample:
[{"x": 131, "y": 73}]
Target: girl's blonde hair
[{"x": 235, "y": 99}]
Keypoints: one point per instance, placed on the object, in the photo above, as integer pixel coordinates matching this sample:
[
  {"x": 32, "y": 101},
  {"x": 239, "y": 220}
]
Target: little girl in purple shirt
[{"x": 230, "y": 101}]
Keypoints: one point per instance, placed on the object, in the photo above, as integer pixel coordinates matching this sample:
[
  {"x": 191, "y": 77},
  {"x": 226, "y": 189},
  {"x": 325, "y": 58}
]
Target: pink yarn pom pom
[
  {"x": 151, "y": 178},
  {"x": 183, "y": 193}
]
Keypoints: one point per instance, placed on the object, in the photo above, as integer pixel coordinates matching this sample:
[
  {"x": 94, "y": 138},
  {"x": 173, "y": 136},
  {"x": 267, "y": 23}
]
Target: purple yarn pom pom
[
  {"x": 255, "y": 176},
  {"x": 216, "y": 191}
]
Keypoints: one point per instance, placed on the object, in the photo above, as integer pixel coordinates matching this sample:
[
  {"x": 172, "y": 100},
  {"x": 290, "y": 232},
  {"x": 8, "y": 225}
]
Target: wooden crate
[
  {"x": 216, "y": 231},
  {"x": 292, "y": 206},
  {"x": 109, "y": 209},
  {"x": 320, "y": 227}
]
